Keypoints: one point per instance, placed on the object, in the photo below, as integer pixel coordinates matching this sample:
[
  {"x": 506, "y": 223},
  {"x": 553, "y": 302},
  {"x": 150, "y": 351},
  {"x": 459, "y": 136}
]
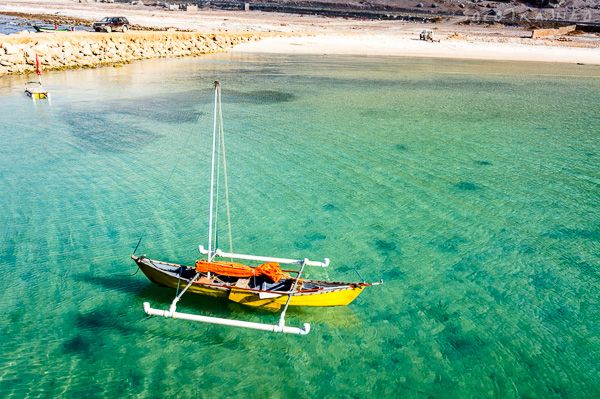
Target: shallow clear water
[
  {"x": 471, "y": 188},
  {"x": 9, "y": 24}
]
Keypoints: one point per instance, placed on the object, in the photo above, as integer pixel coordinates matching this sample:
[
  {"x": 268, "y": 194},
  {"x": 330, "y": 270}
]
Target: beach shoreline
[
  {"x": 382, "y": 45},
  {"x": 308, "y": 34}
]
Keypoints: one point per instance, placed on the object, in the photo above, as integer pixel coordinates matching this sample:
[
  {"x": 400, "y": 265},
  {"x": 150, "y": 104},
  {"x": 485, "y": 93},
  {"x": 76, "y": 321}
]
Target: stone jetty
[{"x": 64, "y": 50}]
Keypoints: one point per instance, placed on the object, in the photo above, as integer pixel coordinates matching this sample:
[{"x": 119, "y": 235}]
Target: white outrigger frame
[
  {"x": 277, "y": 328},
  {"x": 211, "y": 253}
]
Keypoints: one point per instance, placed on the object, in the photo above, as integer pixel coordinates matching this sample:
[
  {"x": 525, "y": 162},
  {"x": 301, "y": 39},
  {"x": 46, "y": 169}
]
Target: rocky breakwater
[{"x": 91, "y": 49}]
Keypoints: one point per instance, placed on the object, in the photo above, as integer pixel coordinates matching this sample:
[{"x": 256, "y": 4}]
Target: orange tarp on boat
[{"x": 271, "y": 270}]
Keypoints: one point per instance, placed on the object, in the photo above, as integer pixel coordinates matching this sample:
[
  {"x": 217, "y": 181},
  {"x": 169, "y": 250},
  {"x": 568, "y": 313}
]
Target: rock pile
[{"x": 91, "y": 49}]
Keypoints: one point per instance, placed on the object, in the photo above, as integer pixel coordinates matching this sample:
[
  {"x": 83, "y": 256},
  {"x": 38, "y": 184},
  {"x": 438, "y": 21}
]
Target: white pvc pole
[
  {"x": 212, "y": 175},
  {"x": 287, "y": 303},
  {"x": 287, "y": 261},
  {"x": 227, "y": 322}
]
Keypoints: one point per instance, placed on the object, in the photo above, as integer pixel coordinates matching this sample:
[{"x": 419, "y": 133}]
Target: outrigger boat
[
  {"x": 265, "y": 286},
  {"x": 53, "y": 28},
  {"x": 35, "y": 90}
]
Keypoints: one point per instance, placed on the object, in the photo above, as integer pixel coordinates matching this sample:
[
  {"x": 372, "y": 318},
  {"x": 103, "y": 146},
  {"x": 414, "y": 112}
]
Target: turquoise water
[{"x": 471, "y": 188}]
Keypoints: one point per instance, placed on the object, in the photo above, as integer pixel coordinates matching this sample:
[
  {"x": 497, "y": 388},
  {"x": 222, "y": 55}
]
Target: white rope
[
  {"x": 222, "y": 135},
  {"x": 212, "y": 177}
]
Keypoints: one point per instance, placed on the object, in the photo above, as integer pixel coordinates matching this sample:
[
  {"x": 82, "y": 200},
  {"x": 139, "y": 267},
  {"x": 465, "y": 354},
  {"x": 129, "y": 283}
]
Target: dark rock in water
[
  {"x": 465, "y": 343},
  {"x": 329, "y": 207},
  {"x": 467, "y": 186},
  {"x": 178, "y": 107},
  {"x": 544, "y": 280},
  {"x": 78, "y": 345},
  {"x": 95, "y": 132},
  {"x": 272, "y": 96},
  {"x": 97, "y": 319},
  {"x": 343, "y": 269},
  {"x": 135, "y": 378},
  {"x": 308, "y": 240},
  {"x": 112, "y": 233},
  {"x": 438, "y": 311},
  {"x": 302, "y": 244},
  {"x": 558, "y": 314},
  {"x": 483, "y": 162},
  {"x": 315, "y": 236},
  {"x": 8, "y": 256},
  {"x": 394, "y": 274},
  {"x": 500, "y": 296},
  {"x": 377, "y": 227},
  {"x": 259, "y": 97},
  {"x": 388, "y": 249},
  {"x": 385, "y": 246},
  {"x": 584, "y": 268},
  {"x": 566, "y": 233}
]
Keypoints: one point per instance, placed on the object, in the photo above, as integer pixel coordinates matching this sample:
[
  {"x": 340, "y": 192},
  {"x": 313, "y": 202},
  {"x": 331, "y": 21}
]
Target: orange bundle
[
  {"x": 224, "y": 268},
  {"x": 270, "y": 270}
]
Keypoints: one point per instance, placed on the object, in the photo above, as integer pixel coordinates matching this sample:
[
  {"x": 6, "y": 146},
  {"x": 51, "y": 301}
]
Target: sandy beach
[
  {"x": 323, "y": 35},
  {"x": 388, "y": 45}
]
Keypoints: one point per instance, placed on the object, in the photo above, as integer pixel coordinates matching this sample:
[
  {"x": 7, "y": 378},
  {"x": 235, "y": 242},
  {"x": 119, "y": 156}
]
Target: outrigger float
[{"x": 265, "y": 286}]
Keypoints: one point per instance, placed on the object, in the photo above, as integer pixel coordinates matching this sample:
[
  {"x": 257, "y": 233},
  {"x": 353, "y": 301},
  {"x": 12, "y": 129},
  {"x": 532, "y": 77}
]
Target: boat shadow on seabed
[{"x": 334, "y": 317}]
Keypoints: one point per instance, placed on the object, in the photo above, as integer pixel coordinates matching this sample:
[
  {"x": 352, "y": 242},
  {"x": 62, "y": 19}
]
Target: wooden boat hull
[
  {"x": 45, "y": 29},
  {"x": 331, "y": 294}
]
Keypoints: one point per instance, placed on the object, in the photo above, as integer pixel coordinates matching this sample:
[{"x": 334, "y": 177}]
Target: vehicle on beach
[
  {"x": 111, "y": 24},
  {"x": 426, "y": 35}
]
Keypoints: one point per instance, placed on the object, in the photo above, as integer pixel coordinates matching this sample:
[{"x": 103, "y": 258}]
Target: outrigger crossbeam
[{"x": 285, "y": 261}]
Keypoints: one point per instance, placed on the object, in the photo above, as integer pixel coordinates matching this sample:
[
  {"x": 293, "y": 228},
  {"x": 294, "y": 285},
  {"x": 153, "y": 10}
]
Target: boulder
[
  {"x": 10, "y": 49},
  {"x": 87, "y": 51},
  {"x": 41, "y": 48}
]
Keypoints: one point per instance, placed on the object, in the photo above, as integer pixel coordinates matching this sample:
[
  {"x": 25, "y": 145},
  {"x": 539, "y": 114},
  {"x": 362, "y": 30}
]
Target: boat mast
[{"x": 210, "y": 255}]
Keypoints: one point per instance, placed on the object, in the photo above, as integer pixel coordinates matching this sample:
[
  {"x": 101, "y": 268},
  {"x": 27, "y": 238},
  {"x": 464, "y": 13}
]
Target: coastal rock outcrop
[{"x": 91, "y": 49}]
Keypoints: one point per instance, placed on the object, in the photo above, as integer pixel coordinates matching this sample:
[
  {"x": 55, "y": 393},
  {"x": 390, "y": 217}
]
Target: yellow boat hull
[
  {"x": 36, "y": 93},
  {"x": 268, "y": 300},
  {"x": 39, "y": 96}
]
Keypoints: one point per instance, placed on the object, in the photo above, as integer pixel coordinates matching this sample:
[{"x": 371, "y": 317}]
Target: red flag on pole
[{"x": 37, "y": 66}]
